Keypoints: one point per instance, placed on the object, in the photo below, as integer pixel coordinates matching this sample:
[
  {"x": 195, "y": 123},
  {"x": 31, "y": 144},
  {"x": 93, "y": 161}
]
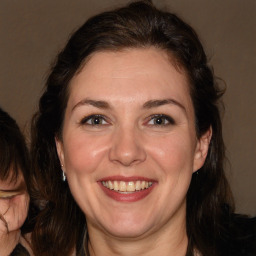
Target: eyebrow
[
  {"x": 147, "y": 105},
  {"x": 157, "y": 103},
  {"x": 95, "y": 103}
]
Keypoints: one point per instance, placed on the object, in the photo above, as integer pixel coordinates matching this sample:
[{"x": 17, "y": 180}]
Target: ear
[
  {"x": 202, "y": 149},
  {"x": 60, "y": 152}
]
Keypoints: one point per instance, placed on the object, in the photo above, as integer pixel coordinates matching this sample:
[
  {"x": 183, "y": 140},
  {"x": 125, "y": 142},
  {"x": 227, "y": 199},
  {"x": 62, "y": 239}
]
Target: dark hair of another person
[
  {"x": 61, "y": 224},
  {"x": 14, "y": 161},
  {"x": 13, "y": 150}
]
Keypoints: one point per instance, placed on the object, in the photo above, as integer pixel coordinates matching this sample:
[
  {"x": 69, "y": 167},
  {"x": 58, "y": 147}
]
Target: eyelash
[
  {"x": 85, "y": 120},
  {"x": 168, "y": 119},
  {"x": 6, "y": 195}
]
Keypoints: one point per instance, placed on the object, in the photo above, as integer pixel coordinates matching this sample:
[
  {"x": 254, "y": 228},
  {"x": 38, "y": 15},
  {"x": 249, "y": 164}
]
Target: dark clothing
[
  {"x": 242, "y": 240},
  {"x": 19, "y": 250}
]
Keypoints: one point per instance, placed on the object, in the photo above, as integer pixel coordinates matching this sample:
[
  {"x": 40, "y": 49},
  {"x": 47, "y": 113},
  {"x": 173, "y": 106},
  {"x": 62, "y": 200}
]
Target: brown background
[{"x": 33, "y": 31}]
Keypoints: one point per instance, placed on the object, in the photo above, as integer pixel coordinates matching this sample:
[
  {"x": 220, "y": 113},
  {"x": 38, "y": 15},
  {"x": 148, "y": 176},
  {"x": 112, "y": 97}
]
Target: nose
[{"x": 127, "y": 147}]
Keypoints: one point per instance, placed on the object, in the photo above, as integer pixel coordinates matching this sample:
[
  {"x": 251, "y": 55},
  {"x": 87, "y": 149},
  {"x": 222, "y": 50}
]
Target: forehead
[{"x": 150, "y": 73}]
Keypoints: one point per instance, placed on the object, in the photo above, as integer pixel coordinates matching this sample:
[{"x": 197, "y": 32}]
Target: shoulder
[{"x": 241, "y": 239}]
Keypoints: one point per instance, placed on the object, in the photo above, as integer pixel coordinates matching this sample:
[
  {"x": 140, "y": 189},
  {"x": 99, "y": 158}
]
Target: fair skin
[
  {"x": 14, "y": 203},
  {"x": 129, "y": 149}
]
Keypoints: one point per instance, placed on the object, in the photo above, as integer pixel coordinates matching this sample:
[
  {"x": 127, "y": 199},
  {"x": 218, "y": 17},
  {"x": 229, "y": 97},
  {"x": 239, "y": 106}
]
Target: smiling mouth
[{"x": 127, "y": 187}]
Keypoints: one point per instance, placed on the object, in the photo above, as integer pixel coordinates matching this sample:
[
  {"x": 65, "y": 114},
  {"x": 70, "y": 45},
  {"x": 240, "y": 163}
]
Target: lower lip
[{"x": 130, "y": 197}]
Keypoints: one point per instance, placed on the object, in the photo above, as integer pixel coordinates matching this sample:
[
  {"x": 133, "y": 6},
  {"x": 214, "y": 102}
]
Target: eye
[
  {"x": 94, "y": 120},
  {"x": 8, "y": 194},
  {"x": 161, "y": 120}
]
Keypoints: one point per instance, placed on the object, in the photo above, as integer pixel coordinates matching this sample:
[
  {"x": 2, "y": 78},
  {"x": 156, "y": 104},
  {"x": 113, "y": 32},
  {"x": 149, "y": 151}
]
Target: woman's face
[
  {"x": 14, "y": 203},
  {"x": 129, "y": 146}
]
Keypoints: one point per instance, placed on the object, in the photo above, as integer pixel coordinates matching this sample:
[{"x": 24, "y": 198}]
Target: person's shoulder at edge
[{"x": 241, "y": 238}]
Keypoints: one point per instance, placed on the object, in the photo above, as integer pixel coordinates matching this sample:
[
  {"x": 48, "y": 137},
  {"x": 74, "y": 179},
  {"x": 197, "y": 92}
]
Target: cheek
[
  {"x": 173, "y": 158},
  {"x": 84, "y": 153},
  {"x": 21, "y": 207},
  {"x": 14, "y": 212},
  {"x": 174, "y": 154}
]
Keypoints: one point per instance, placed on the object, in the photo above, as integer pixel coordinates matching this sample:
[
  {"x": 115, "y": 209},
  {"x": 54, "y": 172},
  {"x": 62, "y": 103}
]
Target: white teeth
[
  {"x": 137, "y": 186},
  {"x": 130, "y": 186},
  {"x": 110, "y": 185},
  {"x": 116, "y": 186},
  {"x": 122, "y": 186}
]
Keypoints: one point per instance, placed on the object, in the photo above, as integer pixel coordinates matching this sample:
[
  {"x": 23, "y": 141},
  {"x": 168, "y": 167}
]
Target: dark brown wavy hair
[
  {"x": 13, "y": 150},
  {"x": 61, "y": 226},
  {"x": 14, "y": 161}
]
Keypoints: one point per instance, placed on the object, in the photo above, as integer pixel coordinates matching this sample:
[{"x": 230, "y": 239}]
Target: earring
[{"x": 63, "y": 174}]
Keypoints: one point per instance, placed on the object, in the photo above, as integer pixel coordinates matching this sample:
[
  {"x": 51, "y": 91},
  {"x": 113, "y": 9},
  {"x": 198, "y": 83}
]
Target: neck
[
  {"x": 170, "y": 239},
  {"x": 8, "y": 241}
]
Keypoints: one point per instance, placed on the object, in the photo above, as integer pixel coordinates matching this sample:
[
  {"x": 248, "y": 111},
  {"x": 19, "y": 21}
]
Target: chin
[
  {"x": 124, "y": 232},
  {"x": 128, "y": 226}
]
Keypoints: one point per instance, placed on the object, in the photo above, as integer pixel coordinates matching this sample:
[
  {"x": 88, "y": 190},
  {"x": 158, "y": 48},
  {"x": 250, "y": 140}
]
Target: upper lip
[{"x": 125, "y": 178}]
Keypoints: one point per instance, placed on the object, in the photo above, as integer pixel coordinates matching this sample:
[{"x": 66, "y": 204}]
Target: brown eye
[
  {"x": 94, "y": 120},
  {"x": 161, "y": 120}
]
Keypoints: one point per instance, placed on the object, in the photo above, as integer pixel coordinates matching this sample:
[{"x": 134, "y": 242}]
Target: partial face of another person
[
  {"x": 14, "y": 204},
  {"x": 129, "y": 146}
]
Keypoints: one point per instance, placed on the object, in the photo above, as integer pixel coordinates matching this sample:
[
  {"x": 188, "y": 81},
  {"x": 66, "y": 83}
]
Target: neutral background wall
[{"x": 33, "y": 31}]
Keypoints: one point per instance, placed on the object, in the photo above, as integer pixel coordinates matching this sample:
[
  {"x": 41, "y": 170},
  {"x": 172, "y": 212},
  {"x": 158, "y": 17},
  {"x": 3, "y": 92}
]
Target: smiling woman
[
  {"x": 141, "y": 138},
  {"x": 127, "y": 143}
]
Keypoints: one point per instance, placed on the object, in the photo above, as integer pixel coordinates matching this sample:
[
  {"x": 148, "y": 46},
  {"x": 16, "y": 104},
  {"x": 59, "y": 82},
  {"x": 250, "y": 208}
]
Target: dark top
[
  {"x": 19, "y": 250},
  {"x": 242, "y": 237}
]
